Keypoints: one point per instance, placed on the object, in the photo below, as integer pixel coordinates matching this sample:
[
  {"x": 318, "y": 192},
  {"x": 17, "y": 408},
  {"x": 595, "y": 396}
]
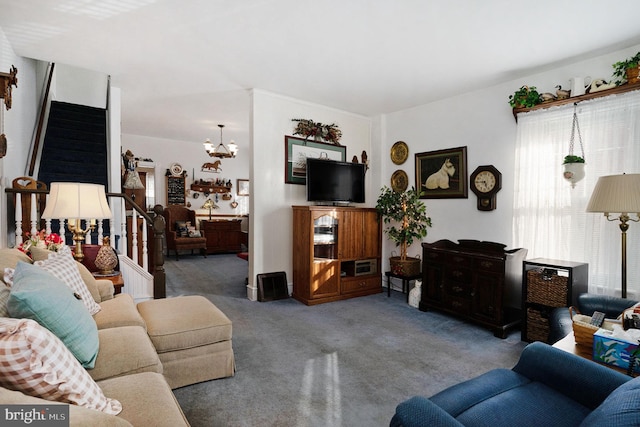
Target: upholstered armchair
[{"x": 176, "y": 218}]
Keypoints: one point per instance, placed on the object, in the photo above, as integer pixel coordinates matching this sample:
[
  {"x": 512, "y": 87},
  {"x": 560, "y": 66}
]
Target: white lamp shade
[
  {"x": 76, "y": 200},
  {"x": 616, "y": 194}
]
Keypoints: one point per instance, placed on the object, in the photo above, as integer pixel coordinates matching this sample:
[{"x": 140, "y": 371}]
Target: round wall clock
[
  {"x": 485, "y": 182},
  {"x": 399, "y": 152},
  {"x": 399, "y": 181}
]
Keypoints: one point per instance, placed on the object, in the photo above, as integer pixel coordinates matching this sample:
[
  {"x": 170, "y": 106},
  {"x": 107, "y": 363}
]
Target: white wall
[
  {"x": 271, "y": 215},
  {"x": 79, "y": 86},
  {"x": 19, "y": 123},
  {"x": 482, "y": 121}
]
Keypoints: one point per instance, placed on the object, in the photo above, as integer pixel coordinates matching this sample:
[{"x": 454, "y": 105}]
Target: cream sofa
[{"x": 128, "y": 367}]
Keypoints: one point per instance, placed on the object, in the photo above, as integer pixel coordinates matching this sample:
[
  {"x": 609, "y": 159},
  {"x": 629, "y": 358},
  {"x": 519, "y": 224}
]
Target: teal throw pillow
[{"x": 38, "y": 295}]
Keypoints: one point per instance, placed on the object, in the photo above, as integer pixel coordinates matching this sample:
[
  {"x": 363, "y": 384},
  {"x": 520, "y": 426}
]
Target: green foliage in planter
[
  {"x": 572, "y": 159},
  {"x": 526, "y": 96},
  {"x": 406, "y": 214},
  {"x": 620, "y": 68}
]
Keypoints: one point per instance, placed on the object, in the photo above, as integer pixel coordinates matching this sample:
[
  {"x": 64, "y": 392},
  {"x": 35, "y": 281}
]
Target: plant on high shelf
[
  {"x": 406, "y": 218},
  {"x": 525, "y": 97},
  {"x": 627, "y": 70},
  {"x": 308, "y": 128}
]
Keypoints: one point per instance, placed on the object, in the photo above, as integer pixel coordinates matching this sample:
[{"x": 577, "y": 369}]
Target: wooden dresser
[
  {"x": 477, "y": 281},
  {"x": 223, "y": 236}
]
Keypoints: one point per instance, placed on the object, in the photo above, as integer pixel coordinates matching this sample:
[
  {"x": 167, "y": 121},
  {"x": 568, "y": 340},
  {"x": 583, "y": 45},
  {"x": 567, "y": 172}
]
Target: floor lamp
[
  {"x": 619, "y": 194},
  {"x": 76, "y": 201}
]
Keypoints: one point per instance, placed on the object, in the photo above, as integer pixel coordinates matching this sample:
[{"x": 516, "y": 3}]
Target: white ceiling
[{"x": 185, "y": 65}]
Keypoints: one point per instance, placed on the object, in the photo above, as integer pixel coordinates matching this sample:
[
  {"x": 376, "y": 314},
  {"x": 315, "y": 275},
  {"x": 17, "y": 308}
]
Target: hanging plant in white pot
[
  {"x": 574, "y": 165},
  {"x": 573, "y": 169}
]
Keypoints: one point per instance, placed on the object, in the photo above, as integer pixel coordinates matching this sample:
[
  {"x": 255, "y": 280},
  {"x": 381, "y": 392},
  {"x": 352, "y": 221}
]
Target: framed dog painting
[{"x": 442, "y": 174}]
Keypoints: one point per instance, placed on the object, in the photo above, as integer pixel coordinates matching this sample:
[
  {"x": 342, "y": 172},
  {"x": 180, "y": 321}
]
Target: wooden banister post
[{"x": 159, "y": 276}]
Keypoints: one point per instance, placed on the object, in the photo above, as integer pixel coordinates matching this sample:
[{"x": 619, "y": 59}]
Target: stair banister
[{"x": 157, "y": 224}]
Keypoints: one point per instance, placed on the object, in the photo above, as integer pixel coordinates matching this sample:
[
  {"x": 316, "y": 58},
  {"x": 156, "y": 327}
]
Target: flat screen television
[{"x": 332, "y": 182}]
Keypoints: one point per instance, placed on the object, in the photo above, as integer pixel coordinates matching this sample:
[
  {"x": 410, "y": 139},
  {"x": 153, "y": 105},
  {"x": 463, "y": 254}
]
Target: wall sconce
[
  {"x": 6, "y": 81},
  {"x": 76, "y": 201},
  {"x": 221, "y": 150}
]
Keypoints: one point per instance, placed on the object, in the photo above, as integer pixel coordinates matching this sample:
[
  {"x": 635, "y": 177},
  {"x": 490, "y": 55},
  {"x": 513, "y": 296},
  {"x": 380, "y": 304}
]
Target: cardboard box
[{"x": 613, "y": 351}]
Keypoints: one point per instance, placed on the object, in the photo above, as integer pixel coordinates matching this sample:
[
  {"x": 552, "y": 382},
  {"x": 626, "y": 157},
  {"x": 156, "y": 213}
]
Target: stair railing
[
  {"x": 41, "y": 121},
  {"x": 142, "y": 270}
]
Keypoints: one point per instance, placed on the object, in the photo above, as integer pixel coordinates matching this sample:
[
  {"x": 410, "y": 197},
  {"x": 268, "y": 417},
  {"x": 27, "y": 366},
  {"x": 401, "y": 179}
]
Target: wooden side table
[
  {"x": 405, "y": 281},
  {"x": 116, "y": 279}
]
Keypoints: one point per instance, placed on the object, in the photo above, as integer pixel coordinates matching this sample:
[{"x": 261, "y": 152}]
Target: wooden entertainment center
[{"x": 336, "y": 253}]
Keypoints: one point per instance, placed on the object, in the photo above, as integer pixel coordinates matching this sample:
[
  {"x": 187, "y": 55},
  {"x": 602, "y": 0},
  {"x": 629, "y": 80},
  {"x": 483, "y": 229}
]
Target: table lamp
[
  {"x": 209, "y": 204},
  {"x": 619, "y": 194},
  {"x": 77, "y": 201}
]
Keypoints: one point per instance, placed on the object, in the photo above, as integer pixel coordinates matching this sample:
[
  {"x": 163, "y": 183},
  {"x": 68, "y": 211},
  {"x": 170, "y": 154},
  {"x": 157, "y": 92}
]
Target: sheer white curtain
[{"x": 549, "y": 216}]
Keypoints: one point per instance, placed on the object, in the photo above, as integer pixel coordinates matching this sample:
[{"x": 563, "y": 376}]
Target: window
[{"x": 549, "y": 216}]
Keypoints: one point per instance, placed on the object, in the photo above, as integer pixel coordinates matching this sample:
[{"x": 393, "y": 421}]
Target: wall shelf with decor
[
  {"x": 613, "y": 91},
  {"x": 210, "y": 188}
]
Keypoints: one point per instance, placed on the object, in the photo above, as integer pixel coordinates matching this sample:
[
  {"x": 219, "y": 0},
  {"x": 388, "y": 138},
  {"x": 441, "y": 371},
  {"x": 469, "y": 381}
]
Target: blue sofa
[{"x": 547, "y": 387}]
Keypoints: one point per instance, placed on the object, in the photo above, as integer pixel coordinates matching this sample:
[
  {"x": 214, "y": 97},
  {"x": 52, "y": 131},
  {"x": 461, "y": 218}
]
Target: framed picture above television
[{"x": 296, "y": 151}]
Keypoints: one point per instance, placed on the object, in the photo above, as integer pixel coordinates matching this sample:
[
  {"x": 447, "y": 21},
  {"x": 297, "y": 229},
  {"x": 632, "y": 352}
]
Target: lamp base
[{"x": 79, "y": 237}]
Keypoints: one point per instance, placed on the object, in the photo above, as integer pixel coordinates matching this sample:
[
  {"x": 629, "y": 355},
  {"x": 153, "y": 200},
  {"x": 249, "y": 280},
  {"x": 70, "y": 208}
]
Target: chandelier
[{"x": 221, "y": 150}]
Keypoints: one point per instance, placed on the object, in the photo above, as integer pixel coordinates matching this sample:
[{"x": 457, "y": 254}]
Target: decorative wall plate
[
  {"x": 399, "y": 152},
  {"x": 176, "y": 169},
  {"x": 399, "y": 181}
]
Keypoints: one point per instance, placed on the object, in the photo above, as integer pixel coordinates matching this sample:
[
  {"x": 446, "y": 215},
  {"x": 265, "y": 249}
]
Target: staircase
[
  {"x": 75, "y": 145},
  {"x": 75, "y": 148}
]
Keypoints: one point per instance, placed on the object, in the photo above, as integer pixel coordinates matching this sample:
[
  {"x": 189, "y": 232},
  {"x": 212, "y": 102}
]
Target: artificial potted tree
[
  {"x": 525, "y": 97},
  {"x": 405, "y": 216},
  {"x": 627, "y": 69}
]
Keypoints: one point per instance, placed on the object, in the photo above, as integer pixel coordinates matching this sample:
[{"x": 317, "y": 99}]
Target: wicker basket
[
  {"x": 407, "y": 267},
  {"x": 547, "y": 289},
  {"x": 583, "y": 330},
  {"x": 537, "y": 325}
]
